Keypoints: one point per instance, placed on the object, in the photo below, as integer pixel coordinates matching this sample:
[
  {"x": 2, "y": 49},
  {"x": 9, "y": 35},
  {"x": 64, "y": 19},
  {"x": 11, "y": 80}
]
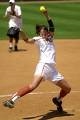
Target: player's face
[
  {"x": 11, "y": 4},
  {"x": 43, "y": 32}
]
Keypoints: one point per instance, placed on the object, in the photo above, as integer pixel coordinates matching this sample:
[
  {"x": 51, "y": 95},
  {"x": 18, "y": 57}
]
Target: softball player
[
  {"x": 45, "y": 68},
  {"x": 13, "y": 12}
]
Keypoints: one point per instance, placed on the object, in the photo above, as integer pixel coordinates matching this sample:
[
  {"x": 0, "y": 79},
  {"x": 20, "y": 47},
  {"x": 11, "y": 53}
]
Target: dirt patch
[{"x": 16, "y": 70}]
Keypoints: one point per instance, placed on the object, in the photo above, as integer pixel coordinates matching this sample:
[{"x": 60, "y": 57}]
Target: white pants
[{"x": 48, "y": 72}]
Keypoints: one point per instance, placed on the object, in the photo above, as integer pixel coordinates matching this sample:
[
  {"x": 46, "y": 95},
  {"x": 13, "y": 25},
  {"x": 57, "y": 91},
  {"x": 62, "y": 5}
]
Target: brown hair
[{"x": 39, "y": 27}]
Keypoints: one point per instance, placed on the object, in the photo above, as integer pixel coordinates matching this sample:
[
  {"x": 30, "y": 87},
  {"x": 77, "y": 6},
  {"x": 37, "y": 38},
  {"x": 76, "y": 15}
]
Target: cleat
[
  {"x": 9, "y": 104},
  {"x": 10, "y": 49},
  {"x": 15, "y": 48},
  {"x": 58, "y": 104}
]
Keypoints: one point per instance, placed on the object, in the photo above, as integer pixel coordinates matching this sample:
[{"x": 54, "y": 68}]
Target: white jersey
[
  {"x": 47, "y": 50},
  {"x": 14, "y": 21}
]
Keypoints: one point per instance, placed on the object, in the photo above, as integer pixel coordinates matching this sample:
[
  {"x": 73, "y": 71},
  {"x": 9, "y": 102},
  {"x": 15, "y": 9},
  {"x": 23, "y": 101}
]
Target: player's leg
[
  {"x": 16, "y": 44},
  {"x": 30, "y": 87},
  {"x": 9, "y": 34},
  {"x": 10, "y": 44},
  {"x": 38, "y": 76},
  {"x": 16, "y": 38},
  {"x": 58, "y": 80},
  {"x": 65, "y": 89},
  {"x": 23, "y": 91}
]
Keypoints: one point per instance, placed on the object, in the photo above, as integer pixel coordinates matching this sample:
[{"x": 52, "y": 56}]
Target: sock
[
  {"x": 15, "y": 98},
  {"x": 25, "y": 90},
  {"x": 21, "y": 92},
  {"x": 10, "y": 45},
  {"x": 59, "y": 99}
]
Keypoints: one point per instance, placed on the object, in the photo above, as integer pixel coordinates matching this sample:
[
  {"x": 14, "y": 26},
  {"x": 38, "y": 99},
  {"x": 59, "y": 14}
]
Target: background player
[{"x": 14, "y": 13}]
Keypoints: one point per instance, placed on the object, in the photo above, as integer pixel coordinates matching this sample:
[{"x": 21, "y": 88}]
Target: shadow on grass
[{"x": 49, "y": 115}]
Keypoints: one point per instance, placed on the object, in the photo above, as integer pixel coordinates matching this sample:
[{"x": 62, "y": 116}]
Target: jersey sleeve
[
  {"x": 36, "y": 39},
  {"x": 7, "y": 10},
  {"x": 19, "y": 11}
]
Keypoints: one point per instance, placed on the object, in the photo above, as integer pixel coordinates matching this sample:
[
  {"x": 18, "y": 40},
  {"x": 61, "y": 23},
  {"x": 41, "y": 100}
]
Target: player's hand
[
  {"x": 9, "y": 13},
  {"x": 45, "y": 13}
]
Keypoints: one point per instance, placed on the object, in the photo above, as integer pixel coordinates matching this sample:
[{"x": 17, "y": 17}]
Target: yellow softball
[{"x": 42, "y": 9}]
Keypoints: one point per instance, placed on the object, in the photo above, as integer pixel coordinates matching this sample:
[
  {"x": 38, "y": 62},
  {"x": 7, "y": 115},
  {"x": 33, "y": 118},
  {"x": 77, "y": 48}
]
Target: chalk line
[
  {"x": 53, "y": 92},
  {"x": 39, "y": 93}
]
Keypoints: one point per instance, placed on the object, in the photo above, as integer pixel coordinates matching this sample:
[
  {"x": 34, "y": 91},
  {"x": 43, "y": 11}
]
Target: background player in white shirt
[
  {"x": 45, "y": 68},
  {"x": 13, "y": 12}
]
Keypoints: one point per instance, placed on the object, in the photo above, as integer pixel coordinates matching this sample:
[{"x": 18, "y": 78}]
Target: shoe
[
  {"x": 9, "y": 104},
  {"x": 10, "y": 49},
  {"x": 58, "y": 104},
  {"x": 15, "y": 48}
]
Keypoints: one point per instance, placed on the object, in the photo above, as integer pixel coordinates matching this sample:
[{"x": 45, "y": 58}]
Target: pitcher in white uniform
[{"x": 45, "y": 68}]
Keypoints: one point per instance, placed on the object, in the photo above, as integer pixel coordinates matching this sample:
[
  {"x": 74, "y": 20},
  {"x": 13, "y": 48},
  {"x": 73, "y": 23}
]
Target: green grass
[{"x": 66, "y": 17}]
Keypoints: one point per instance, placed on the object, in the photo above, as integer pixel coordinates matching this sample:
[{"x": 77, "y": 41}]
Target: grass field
[{"x": 66, "y": 18}]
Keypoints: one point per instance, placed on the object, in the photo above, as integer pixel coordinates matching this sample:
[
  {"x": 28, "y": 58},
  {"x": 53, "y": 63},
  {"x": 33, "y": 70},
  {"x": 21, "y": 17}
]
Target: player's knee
[
  {"x": 32, "y": 86},
  {"x": 68, "y": 89}
]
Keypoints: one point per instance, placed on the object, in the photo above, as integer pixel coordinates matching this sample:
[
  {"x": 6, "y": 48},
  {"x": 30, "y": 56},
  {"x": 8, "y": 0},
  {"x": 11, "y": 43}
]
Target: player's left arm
[
  {"x": 15, "y": 13},
  {"x": 29, "y": 40},
  {"x": 50, "y": 22},
  {"x": 51, "y": 25},
  {"x": 19, "y": 13}
]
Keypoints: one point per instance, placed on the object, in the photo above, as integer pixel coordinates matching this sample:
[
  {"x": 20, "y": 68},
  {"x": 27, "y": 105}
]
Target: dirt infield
[{"x": 16, "y": 70}]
